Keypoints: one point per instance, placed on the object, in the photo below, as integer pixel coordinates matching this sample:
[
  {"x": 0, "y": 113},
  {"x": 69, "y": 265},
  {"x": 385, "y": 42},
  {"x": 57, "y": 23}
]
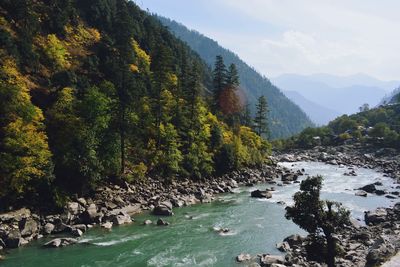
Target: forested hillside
[
  {"x": 97, "y": 90},
  {"x": 379, "y": 127},
  {"x": 285, "y": 118}
]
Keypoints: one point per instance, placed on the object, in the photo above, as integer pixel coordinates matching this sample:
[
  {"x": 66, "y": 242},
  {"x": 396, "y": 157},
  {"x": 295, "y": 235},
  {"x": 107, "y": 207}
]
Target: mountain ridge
[{"x": 286, "y": 117}]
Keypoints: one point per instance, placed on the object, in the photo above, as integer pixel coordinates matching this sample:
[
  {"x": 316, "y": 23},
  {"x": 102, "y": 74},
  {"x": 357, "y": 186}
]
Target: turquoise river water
[{"x": 190, "y": 240}]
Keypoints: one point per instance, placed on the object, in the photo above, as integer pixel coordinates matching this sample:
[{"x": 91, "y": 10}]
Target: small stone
[
  {"x": 161, "y": 222},
  {"x": 107, "y": 225},
  {"x": 147, "y": 222},
  {"x": 361, "y": 193}
]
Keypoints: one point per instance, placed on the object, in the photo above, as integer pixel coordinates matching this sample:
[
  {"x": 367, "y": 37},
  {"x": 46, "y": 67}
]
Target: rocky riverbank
[
  {"x": 113, "y": 205},
  {"x": 356, "y": 155},
  {"x": 357, "y": 245},
  {"x": 369, "y": 245}
]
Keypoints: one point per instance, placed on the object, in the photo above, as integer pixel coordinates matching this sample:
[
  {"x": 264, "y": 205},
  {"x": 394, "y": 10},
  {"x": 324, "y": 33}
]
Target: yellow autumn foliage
[{"x": 142, "y": 59}]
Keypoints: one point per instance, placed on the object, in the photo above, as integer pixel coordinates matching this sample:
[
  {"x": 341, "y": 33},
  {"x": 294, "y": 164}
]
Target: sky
[{"x": 339, "y": 37}]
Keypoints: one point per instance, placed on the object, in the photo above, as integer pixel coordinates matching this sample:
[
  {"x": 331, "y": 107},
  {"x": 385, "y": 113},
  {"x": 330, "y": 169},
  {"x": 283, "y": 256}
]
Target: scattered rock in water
[
  {"x": 281, "y": 202},
  {"x": 261, "y": 194},
  {"x": 163, "y": 209},
  {"x": 350, "y": 173},
  {"x": 380, "y": 192},
  {"x": 121, "y": 218},
  {"x": 222, "y": 231},
  {"x": 370, "y": 188},
  {"x": 107, "y": 225},
  {"x": 147, "y": 222},
  {"x": 243, "y": 257},
  {"x": 60, "y": 242},
  {"x": 390, "y": 197},
  {"x": 2, "y": 257},
  {"x": 161, "y": 222},
  {"x": 361, "y": 193}
]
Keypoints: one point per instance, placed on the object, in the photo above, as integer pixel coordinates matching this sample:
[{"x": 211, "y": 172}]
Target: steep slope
[
  {"x": 318, "y": 114},
  {"x": 286, "y": 118},
  {"x": 345, "y": 100},
  {"x": 99, "y": 91}
]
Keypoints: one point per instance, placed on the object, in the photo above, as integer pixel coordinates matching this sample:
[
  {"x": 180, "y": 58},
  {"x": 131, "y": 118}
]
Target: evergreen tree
[
  {"x": 314, "y": 215},
  {"x": 232, "y": 79},
  {"x": 260, "y": 120},
  {"x": 219, "y": 79},
  {"x": 246, "y": 119}
]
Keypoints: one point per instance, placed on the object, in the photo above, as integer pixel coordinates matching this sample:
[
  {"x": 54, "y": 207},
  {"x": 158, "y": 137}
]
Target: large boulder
[
  {"x": 243, "y": 257},
  {"x": 48, "y": 228},
  {"x": 60, "y": 242},
  {"x": 121, "y": 218},
  {"x": 15, "y": 216},
  {"x": 379, "y": 252},
  {"x": 91, "y": 215},
  {"x": 28, "y": 227},
  {"x": 74, "y": 208},
  {"x": 267, "y": 260},
  {"x": 261, "y": 194},
  {"x": 370, "y": 188},
  {"x": 163, "y": 209},
  {"x": 375, "y": 216},
  {"x": 13, "y": 239},
  {"x": 294, "y": 240},
  {"x": 283, "y": 246}
]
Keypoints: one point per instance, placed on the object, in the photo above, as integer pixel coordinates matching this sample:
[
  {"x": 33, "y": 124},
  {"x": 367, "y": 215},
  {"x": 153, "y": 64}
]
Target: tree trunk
[
  {"x": 331, "y": 251},
  {"x": 122, "y": 136}
]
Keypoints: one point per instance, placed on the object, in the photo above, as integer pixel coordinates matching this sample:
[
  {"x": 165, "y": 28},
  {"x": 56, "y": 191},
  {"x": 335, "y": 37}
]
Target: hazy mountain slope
[
  {"x": 392, "y": 97},
  {"x": 286, "y": 117},
  {"x": 320, "y": 115},
  {"x": 356, "y": 79},
  {"x": 345, "y": 100}
]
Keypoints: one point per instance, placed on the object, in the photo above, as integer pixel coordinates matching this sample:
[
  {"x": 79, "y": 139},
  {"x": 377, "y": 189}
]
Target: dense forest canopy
[
  {"x": 285, "y": 117},
  {"x": 97, "y": 90}
]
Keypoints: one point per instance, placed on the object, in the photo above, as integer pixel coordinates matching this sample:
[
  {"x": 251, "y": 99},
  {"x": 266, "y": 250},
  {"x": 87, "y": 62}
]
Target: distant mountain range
[
  {"x": 285, "y": 117},
  {"x": 351, "y": 80},
  {"x": 320, "y": 115},
  {"x": 342, "y": 95}
]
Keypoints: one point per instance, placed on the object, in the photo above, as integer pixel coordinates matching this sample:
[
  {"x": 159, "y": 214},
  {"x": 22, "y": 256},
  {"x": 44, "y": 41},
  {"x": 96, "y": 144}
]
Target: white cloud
[{"x": 299, "y": 36}]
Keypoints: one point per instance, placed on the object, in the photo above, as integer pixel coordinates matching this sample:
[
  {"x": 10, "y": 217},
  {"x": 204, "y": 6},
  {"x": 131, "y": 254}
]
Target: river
[{"x": 190, "y": 239}]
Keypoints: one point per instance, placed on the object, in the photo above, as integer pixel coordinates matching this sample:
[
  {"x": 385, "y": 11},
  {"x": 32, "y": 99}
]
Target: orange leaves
[{"x": 229, "y": 101}]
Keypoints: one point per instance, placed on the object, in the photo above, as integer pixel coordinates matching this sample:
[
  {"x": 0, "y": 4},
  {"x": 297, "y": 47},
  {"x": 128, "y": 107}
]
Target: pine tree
[
  {"x": 260, "y": 121},
  {"x": 219, "y": 79},
  {"x": 232, "y": 79},
  {"x": 246, "y": 119}
]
